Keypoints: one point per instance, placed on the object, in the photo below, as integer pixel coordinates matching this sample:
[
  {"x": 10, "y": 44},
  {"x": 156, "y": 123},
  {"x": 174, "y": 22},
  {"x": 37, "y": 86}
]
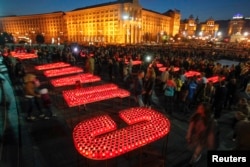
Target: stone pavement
[{"x": 48, "y": 143}]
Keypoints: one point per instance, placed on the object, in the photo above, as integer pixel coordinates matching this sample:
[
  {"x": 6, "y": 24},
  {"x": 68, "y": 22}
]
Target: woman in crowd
[
  {"x": 201, "y": 131},
  {"x": 209, "y": 92},
  {"x": 90, "y": 64},
  {"x": 139, "y": 89},
  {"x": 169, "y": 90},
  {"x": 149, "y": 82}
]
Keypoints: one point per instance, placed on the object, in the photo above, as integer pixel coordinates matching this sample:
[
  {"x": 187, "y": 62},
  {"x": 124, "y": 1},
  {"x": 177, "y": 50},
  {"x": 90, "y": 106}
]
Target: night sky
[{"x": 204, "y": 9}]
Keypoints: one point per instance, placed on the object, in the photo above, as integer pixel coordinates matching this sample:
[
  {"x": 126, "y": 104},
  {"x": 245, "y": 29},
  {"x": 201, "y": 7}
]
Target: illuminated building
[
  {"x": 239, "y": 28},
  {"x": 236, "y": 25},
  {"x": 188, "y": 26},
  {"x": 121, "y": 21},
  {"x": 26, "y": 28},
  {"x": 209, "y": 28}
]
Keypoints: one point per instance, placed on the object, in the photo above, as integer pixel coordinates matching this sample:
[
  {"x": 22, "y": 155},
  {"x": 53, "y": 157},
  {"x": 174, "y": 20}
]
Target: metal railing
[
  {"x": 3, "y": 117},
  {"x": 5, "y": 129}
]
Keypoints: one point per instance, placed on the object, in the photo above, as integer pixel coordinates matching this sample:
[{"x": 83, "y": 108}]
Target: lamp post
[
  {"x": 246, "y": 34},
  {"x": 32, "y": 36},
  {"x": 201, "y": 34},
  {"x": 219, "y": 35},
  {"x": 61, "y": 36},
  {"x": 43, "y": 34}
]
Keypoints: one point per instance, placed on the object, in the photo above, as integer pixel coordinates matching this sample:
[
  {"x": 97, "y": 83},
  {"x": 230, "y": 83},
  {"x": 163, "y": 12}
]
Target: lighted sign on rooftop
[{"x": 238, "y": 16}]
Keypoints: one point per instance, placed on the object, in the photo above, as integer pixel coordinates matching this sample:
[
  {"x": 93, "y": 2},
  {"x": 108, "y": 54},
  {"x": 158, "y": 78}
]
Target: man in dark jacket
[
  {"x": 138, "y": 88},
  {"x": 219, "y": 99}
]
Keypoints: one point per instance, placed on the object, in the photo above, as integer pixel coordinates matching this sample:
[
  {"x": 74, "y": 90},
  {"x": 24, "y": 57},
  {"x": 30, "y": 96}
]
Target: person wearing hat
[{"x": 30, "y": 85}]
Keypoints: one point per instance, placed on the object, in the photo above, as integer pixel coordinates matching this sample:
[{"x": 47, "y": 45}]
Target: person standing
[
  {"x": 192, "y": 87},
  {"x": 139, "y": 89},
  {"x": 110, "y": 69},
  {"x": 130, "y": 65},
  {"x": 47, "y": 103},
  {"x": 201, "y": 132},
  {"x": 30, "y": 85},
  {"x": 242, "y": 113},
  {"x": 231, "y": 98},
  {"x": 19, "y": 72},
  {"x": 219, "y": 99},
  {"x": 242, "y": 132},
  {"x": 149, "y": 83},
  {"x": 209, "y": 92},
  {"x": 169, "y": 89},
  {"x": 164, "y": 77},
  {"x": 90, "y": 64}
]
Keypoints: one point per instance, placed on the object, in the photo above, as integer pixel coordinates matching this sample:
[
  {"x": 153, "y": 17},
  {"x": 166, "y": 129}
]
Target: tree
[
  {"x": 6, "y": 38},
  {"x": 39, "y": 39},
  {"x": 2, "y": 40}
]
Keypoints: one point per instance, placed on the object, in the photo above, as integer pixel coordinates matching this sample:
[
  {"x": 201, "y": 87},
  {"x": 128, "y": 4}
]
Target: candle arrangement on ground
[
  {"x": 189, "y": 74},
  {"x": 52, "y": 65},
  {"x": 70, "y": 80},
  {"x": 164, "y": 69},
  {"x": 92, "y": 94},
  {"x": 62, "y": 71},
  {"x": 215, "y": 79},
  {"x": 23, "y": 56},
  {"x": 159, "y": 65},
  {"x": 98, "y": 138},
  {"x": 134, "y": 62}
]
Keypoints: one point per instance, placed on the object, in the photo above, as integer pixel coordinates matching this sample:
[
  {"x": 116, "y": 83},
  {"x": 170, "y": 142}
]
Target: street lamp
[
  {"x": 125, "y": 17},
  {"x": 200, "y": 33},
  {"x": 219, "y": 34}
]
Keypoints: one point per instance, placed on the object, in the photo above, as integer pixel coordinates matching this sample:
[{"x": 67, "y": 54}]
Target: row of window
[
  {"x": 91, "y": 21},
  {"x": 95, "y": 13},
  {"x": 93, "y": 17}
]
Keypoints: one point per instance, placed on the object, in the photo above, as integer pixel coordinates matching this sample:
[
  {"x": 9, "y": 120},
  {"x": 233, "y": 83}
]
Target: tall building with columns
[{"x": 118, "y": 22}]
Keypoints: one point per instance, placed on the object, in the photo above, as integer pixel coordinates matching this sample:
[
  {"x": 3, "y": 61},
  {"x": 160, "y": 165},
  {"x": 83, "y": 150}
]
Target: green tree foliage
[{"x": 6, "y": 38}]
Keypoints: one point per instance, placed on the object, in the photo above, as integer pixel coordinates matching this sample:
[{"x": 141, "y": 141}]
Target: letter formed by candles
[{"x": 98, "y": 138}]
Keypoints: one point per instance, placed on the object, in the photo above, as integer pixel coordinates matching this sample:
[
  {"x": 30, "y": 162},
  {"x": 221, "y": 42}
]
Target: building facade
[
  {"x": 51, "y": 25},
  {"x": 236, "y": 25},
  {"x": 209, "y": 28},
  {"x": 188, "y": 27},
  {"x": 122, "y": 21}
]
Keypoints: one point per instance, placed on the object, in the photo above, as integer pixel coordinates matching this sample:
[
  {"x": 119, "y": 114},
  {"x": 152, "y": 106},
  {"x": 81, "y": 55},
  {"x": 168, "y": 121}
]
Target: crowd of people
[{"x": 194, "y": 94}]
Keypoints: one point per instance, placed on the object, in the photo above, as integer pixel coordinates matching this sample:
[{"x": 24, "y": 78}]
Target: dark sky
[{"x": 204, "y": 9}]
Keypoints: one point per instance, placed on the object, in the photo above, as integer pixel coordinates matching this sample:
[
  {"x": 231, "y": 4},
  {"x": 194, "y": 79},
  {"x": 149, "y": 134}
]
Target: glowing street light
[
  {"x": 200, "y": 33},
  {"x": 125, "y": 17}
]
